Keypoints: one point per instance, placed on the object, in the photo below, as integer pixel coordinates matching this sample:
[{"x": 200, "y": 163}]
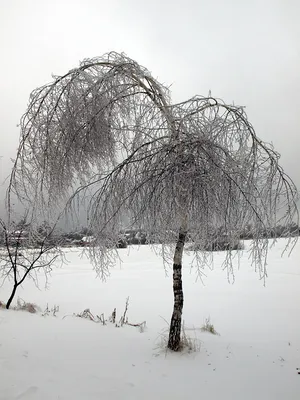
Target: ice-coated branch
[{"x": 106, "y": 137}]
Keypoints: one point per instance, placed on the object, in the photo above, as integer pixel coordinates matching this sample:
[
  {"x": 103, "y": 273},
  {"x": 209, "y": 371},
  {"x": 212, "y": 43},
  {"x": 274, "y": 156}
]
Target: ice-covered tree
[
  {"x": 107, "y": 136},
  {"x": 25, "y": 255}
]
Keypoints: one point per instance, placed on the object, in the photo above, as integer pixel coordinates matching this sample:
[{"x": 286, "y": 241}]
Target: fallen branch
[{"x": 137, "y": 325}]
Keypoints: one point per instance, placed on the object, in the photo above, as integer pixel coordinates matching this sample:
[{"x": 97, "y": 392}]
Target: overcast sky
[{"x": 246, "y": 51}]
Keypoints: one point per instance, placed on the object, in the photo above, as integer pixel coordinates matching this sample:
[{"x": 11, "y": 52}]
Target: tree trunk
[
  {"x": 11, "y": 296},
  {"x": 175, "y": 325}
]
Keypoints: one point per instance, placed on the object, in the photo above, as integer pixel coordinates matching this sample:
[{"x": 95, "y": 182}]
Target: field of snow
[{"x": 254, "y": 357}]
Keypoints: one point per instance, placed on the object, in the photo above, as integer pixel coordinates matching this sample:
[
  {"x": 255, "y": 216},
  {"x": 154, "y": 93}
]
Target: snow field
[{"x": 255, "y": 356}]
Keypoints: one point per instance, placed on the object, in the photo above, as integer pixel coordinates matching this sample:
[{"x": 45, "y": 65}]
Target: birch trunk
[{"x": 175, "y": 325}]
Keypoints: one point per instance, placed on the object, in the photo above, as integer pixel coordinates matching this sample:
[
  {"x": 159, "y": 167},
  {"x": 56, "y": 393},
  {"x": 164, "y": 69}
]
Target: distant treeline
[{"x": 84, "y": 237}]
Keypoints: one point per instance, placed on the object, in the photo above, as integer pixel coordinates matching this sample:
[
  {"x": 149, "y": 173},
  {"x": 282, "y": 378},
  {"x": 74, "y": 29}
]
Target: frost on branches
[{"x": 106, "y": 136}]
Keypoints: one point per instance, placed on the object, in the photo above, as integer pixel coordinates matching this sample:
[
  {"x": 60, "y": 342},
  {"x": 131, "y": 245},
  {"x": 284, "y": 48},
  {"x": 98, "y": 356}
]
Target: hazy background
[{"x": 246, "y": 51}]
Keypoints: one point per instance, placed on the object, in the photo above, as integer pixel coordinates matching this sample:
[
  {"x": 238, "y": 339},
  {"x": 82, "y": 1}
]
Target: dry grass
[
  {"x": 209, "y": 327},
  {"x": 25, "y": 306},
  {"x": 188, "y": 344}
]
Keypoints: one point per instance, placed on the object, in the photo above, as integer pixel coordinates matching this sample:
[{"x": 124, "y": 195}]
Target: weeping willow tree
[{"x": 107, "y": 132}]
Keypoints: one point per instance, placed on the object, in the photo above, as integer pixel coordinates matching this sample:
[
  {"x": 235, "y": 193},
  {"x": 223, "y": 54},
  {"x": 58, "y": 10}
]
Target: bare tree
[
  {"x": 24, "y": 256},
  {"x": 107, "y": 136}
]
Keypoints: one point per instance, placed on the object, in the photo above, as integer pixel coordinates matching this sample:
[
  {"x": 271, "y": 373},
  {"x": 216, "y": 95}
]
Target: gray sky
[{"x": 242, "y": 50}]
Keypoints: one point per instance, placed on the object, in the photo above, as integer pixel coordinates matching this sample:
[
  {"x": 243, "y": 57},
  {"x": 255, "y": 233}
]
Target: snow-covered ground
[{"x": 255, "y": 356}]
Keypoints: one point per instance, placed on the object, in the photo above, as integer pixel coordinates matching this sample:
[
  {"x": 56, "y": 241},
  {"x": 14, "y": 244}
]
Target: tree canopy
[{"x": 108, "y": 136}]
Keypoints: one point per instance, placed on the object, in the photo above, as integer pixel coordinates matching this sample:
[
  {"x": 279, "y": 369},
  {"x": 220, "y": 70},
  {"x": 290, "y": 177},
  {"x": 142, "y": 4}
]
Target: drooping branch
[
  {"x": 107, "y": 133},
  {"x": 231, "y": 179},
  {"x": 83, "y": 122}
]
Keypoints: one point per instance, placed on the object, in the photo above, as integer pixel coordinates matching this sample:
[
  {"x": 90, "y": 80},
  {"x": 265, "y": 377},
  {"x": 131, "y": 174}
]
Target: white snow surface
[{"x": 255, "y": 356}]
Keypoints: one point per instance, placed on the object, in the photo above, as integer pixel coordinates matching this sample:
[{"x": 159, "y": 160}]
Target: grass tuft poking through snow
[
  {"x": 208, "y": 327},
  {"x": 23, "y": 306},
  {"x": 188, "y": 344}
]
